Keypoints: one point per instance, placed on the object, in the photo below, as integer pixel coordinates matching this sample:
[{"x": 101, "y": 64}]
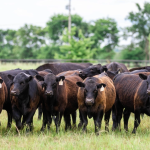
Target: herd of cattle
[{"x": 59, "y": 89}]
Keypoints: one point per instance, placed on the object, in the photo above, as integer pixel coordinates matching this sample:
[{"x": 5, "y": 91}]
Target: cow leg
[
  {"x": 85, "y": 121},
  {"x": 17, "y": 117},
  {"x": 107, "y": 117},
  {"x": 114, "y": 117},
  {"x": 98, "y": 121},
  {"x": 136, "y": 121},
  {"x": 29, "y": 121},
  {"x": 49, "y": 120},
  {"x": 81, "y": 120},
  {"x": 44, "y": 120},
  {"x": 57, "y": 121},
  {"x": 74, "y": 115},
  {"x": 9, "y": 115},
  {"x": 40, "y": 112},
  {"x": 126, "y": 115},
  {"x": 67, "y": 121}
]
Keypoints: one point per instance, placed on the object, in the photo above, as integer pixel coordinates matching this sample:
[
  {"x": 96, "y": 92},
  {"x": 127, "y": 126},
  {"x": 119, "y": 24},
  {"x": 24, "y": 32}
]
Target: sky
[{"x": 15, "y": 13}]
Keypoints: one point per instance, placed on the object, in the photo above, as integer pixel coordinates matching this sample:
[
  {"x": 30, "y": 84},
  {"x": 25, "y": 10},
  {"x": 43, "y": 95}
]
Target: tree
[
  {"x": 57, "y": 24},
  {"x": 105, "y": 32},
  {"x": 140, "y": 28},
  {"x": 76, "y": 48},
  {"x": 30, "y": 39}
]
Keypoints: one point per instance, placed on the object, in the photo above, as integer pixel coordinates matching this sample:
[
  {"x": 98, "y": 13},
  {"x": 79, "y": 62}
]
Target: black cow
[
  {"x": 4, "y": 76},
  {"x": 26, "y": 95}
]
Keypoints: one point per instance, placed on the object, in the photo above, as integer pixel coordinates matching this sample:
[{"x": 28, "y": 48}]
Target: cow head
[
  {"x": 50, "y": 82},
  {"x": 92, "y": 71},
  {"x": 20, "y": 82},
  {"x": 147, "y": 79},
  {"x": 112, "y": 74},
  {"x": 91, "y": 90}
]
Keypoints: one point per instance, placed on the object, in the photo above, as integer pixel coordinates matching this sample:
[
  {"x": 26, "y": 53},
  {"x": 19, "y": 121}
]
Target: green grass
[{"x": 72, "y": 139}]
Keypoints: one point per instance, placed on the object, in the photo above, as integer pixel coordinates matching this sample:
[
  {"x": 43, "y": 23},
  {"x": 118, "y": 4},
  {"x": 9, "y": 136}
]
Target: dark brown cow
[
  {"x": 26, "y": 95},
  {"x": 114, "y": 66},
  {"x": 96, "y": 96},
  {"x": 132, "y": 93},
  {"x": 57, "y": 68},
  {"x": 61, "y": 97},
  {"x": 3, "y": 93}
]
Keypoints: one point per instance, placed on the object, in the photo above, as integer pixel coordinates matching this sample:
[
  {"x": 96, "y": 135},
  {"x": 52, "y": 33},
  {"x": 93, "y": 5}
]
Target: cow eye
[
  {"x": 95, "y": 91},
  {"x": 22, "y": 83},
  {"x": 54, "y": 85},
  {"x": 44, "y": 84}
]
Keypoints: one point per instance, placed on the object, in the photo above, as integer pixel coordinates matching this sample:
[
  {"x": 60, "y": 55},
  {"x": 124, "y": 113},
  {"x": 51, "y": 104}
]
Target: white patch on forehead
[
  {"x": 0, "y": 85},
  {"x": 101, "y": 89},
  {"x": 61, "y": 82}
]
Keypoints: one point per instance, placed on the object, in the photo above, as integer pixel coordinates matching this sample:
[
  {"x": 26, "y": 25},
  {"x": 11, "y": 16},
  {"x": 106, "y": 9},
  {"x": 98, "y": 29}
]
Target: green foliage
[
  {"x": 76, "y": 48},
  {"x": 135, "y": 54},
  {"x": 59, "y": 22},
  {"x": 48, "y": 52},
  {"x": 140, "y": 28},
  {"x": 105, "y": 32}
]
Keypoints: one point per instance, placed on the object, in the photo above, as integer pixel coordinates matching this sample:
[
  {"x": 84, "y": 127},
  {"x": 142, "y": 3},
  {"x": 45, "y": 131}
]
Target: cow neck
[
  {"x": 24, "y": 97},
  {"x": 89, "y": 111}
]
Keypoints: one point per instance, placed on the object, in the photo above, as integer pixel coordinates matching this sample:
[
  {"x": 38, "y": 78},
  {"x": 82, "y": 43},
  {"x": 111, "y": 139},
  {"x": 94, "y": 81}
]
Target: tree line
[{"x": 98, "y": 39}]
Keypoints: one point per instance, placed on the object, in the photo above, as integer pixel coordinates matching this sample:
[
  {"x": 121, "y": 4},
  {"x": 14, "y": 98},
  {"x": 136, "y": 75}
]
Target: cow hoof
[{"x": 80, "y": 125}]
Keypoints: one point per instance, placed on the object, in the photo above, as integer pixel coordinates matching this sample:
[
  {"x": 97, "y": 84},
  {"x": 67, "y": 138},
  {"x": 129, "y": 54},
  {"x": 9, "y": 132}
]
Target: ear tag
[
  {"x": 119, "y": 72},
  {"x": 0, "y": 85},
  {"x": 61, "y": 82},
  {"x": 104, "y": 71},
  {"x": 102, "y": 89}
]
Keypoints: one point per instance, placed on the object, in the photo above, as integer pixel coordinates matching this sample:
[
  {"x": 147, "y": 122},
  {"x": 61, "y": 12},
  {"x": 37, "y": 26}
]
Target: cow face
[
  {"x": 91, "y": 71},
  {"x": 20, "y": 82},
  {"x": 147, "y": 79},
  {"x": 91, "y": 90},
  {"x": 50, "y": 82}
]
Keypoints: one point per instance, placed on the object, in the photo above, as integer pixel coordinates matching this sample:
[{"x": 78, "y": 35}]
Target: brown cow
[
  {"x": 96, "y": 96},
  {"x": 61, "y": 97},
  {"x": 132, "y": 93},
  {"x": 3, "y": 93}
]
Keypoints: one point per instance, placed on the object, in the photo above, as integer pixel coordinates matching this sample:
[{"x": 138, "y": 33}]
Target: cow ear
[
  {"x": 118, "y": 71},
  {"x": 142, "y": 76},
  {"x": 10, "y": 77},
  {"x": 39, "y": 78},
  {"x": 60, "y": 78},
  {"x": 1, "y": 81},
  {"x": 80, "y": 84},
  {"x": 102, "y": 85},
  {"x": 30, "y": 78},
  {"x": 104, "y": 69}
]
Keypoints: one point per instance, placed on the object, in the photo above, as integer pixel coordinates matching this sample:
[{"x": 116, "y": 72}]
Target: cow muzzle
[
  {"x": 13, "y": 93},
  {"x": 148, "y": 92},
  {"x": 49, "y": 93},
  {"x": 89, "y": 102}
]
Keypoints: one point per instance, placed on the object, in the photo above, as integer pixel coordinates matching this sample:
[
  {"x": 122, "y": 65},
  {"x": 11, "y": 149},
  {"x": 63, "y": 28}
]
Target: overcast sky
[{"x": 15, "y": 13}]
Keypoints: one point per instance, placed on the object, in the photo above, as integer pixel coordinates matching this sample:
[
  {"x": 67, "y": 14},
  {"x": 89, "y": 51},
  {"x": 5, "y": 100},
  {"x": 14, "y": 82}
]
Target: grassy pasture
[{"x": 72, "y": 139}]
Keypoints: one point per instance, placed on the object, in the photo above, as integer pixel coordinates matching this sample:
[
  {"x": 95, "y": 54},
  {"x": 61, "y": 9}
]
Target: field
[{"x": 72, "y": 139}]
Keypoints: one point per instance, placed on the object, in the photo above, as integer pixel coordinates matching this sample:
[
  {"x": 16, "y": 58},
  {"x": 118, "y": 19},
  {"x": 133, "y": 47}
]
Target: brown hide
[
  {"x": 127, "y": 89},
  {"x": 3, "y": 95},
  {"x": 105, "y": 99},
  {"x": 114, "y": 66},
  {"x": 67, "y": 93}
]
